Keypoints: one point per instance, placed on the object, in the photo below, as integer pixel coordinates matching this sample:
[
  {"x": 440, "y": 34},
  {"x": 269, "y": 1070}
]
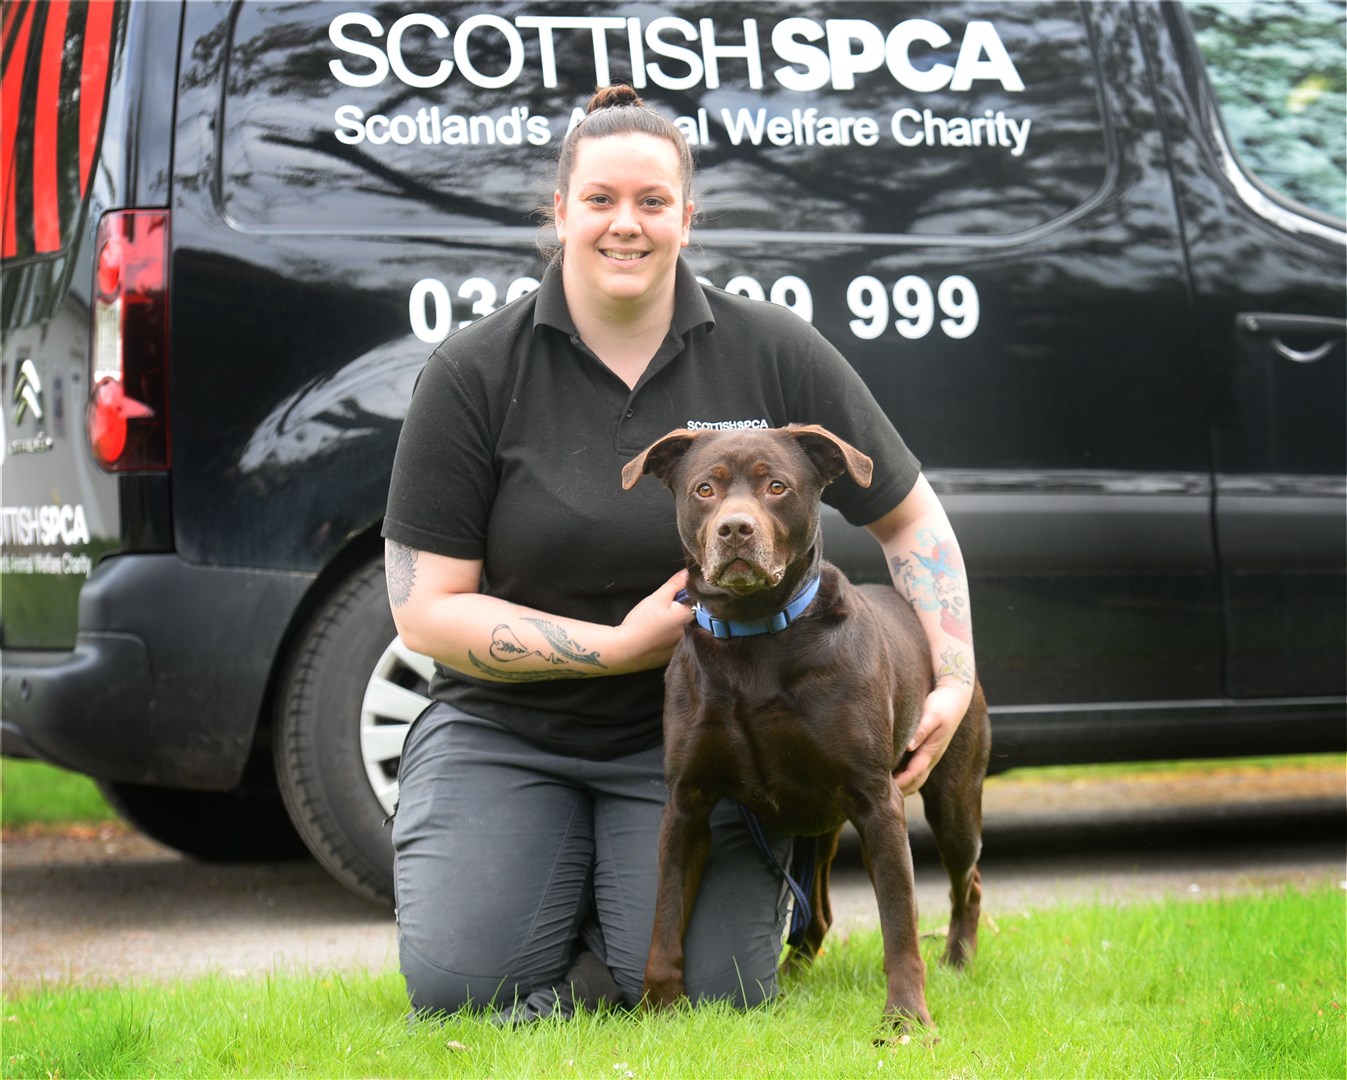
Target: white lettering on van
[
  {"x": 391, "y": 57},
  {"x": 670, "y": 52},
  {"x": 65, "y": 564},
  {"x": 913, "y": 128},
  {"x": 855, "y": 47},
  {"x": 434, "y": 127},
  {"x": 50, "y": 525},
  {"x": 802, "y": 127}
]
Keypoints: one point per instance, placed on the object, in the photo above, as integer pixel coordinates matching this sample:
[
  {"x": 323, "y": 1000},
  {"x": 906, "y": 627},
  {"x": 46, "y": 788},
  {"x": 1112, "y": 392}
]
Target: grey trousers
[{"x": 505, "y": 853}]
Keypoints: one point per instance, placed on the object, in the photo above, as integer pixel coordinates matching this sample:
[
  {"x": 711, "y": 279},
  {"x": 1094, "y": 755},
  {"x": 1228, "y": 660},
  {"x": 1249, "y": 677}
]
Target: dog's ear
[
  {"x": 832, "y": 456},
  {"x": 659, "y": 458}
]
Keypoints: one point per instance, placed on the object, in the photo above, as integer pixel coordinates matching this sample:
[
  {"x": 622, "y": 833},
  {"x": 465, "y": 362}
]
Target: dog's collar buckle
[{"x": 724, "y": 628}]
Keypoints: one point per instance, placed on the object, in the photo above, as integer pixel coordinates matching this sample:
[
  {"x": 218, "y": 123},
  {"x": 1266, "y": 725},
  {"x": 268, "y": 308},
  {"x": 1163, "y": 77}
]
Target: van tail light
[{"x": 128, "y": 411}]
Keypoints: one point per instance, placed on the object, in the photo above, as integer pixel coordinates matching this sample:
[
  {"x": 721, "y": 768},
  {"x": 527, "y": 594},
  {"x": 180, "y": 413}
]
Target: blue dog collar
[{"x": 722, "y": 628}]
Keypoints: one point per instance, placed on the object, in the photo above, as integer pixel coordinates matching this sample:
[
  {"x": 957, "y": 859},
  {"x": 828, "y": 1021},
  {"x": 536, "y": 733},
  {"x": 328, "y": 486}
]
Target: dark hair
[{"x": 617, "y": 109}]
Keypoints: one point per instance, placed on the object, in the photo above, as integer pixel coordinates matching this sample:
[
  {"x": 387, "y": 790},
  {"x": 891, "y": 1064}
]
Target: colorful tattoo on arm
[
  {"x": 933, "y": 580},
  {"x": 399, "y": 572},
  {"x": 954, "y": 667}
]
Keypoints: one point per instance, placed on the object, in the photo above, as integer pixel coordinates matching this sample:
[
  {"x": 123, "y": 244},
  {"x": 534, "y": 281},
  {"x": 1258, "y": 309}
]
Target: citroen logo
[{"x": 27, "y": 392}]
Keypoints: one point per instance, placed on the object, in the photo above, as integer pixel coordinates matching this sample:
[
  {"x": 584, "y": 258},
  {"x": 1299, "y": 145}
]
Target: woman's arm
[
  {"x": 927, "y": 568},
  {"x": 439, "y": 612}
]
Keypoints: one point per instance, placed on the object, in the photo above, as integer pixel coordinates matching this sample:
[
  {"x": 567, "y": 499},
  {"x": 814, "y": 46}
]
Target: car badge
[{"x": 27, "y": 392}]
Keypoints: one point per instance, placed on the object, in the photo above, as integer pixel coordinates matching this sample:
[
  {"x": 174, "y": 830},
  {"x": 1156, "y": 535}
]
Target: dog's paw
[
  {"x": 908, "y": 1019},
  {"x": 662, "y": 995}
]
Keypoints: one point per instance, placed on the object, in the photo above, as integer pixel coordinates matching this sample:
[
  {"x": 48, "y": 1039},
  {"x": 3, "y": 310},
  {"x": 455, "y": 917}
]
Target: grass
[
  {"x": 36, "y": 794},
  {"x": 1238, "y": 987}
]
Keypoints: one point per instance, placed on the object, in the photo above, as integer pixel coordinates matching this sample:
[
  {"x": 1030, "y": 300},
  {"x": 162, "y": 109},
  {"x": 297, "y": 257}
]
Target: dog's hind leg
[
  {"x": 952, "y": 799},
  {"x": 958, "y": 835}
]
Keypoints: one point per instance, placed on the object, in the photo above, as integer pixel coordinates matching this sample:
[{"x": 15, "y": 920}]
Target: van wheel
[
  {"x": 346, "y": 702},
  {"x": 244, "y": 825}
]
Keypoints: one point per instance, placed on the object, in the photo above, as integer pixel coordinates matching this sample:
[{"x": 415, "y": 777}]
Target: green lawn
[
  {"x": 32, "y": 793},
  {"x": 1244, "y": 987}
]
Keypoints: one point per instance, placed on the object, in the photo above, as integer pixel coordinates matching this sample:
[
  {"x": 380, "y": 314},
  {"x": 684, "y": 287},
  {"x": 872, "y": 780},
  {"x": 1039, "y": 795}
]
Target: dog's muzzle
[{"x": 739, "y": 555}]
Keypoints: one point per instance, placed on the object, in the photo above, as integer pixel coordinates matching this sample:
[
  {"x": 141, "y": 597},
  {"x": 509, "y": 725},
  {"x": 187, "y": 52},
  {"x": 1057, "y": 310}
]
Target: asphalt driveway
[{"x": 113, "y": 906}]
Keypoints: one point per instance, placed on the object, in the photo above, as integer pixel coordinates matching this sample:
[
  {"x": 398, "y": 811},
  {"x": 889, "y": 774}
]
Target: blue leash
[{"x": 805, "y": 850}]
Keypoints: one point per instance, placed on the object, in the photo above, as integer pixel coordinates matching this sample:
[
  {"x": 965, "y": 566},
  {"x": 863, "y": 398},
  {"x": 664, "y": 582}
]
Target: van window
[
  {"x": 863, "y": 118},
  {"x": 1277, "y": 70},
  {"x": 55, "y": 78}
]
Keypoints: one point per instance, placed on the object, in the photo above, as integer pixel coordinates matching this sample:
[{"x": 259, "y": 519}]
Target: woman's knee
[
  {"x": 432, "y": 988},
  {"x": 744, "y": 985}
]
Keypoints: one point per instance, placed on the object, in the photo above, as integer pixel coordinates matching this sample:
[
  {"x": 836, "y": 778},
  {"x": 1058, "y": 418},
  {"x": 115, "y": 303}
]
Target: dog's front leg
[
  {"x": 684, "y": 845},
  {"x": 883, "y": 832}
]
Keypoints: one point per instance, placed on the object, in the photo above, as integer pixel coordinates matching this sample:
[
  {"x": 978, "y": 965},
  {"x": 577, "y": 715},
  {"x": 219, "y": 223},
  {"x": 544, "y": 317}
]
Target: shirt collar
[{"x": 690, "y": 305}]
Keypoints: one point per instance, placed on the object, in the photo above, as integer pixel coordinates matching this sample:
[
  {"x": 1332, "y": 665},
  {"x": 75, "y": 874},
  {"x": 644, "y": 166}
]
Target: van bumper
[{"x": 167, "y": 679}]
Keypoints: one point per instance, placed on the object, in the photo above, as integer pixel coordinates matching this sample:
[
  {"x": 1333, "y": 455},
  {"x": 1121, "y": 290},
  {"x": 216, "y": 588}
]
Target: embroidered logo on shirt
[{"x": 726, "y": 425}]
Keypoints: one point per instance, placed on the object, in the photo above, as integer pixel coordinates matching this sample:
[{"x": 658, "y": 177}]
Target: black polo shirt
[{"x": 512, "y": 452}]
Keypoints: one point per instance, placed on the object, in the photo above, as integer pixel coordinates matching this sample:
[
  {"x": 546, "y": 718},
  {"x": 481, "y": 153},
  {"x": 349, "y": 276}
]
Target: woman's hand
[
  {"x": 940, "y": 717},
  {"x": 654, "y": 626}
]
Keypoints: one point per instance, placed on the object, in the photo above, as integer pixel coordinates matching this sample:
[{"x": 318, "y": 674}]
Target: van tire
[
  {"x": 317, "y": 752},
  {"x": 248, "y": 824}
]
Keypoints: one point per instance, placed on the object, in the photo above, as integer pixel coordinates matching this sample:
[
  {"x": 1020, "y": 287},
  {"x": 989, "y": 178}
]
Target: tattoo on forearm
[
  {"x": 933, "y": 580},
  {"x": 400, "y": 572},
  {"x": 506, "y": 648},
  {"x": 954, "y": 667},
  {"x": 508, "y": 675},
  {"x": 566, "y": 645}
]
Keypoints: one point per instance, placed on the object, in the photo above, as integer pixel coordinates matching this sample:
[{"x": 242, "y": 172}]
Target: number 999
[{"x": 915, "y": 305}]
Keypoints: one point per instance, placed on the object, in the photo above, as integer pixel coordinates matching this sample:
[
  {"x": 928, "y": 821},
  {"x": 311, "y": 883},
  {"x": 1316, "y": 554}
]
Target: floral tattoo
[{"x": 399, "y": 572}]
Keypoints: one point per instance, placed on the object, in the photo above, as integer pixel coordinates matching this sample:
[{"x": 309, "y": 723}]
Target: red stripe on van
[
  {"x": 93, "y": 84},
  {"x": 11, "y": 94},
  {"x": 46, "y": 203}
]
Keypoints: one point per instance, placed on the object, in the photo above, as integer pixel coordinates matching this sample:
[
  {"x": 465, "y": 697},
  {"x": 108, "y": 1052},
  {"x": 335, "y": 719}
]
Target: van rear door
[
  {"x": 60, "y": 513},
  {"x": 86, "y": 132}
]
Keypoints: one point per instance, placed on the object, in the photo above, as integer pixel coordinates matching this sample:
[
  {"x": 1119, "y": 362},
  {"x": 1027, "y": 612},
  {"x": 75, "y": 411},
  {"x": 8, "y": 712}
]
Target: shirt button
[{"x": 631, "y": 413}]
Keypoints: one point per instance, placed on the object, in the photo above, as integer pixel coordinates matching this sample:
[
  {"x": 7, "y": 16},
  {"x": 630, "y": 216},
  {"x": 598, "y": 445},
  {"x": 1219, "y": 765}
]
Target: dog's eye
[
  {"x": 704, "y": 490},
  {"x": 776, "y": 487}
]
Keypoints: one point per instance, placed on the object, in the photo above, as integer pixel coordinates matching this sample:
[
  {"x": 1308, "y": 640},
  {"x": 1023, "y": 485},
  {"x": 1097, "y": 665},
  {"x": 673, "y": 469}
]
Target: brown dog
[{"x": 807, "y": 727}]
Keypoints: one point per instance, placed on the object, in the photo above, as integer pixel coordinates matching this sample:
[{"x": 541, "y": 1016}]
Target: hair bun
[{"x": 613, "y": 96}]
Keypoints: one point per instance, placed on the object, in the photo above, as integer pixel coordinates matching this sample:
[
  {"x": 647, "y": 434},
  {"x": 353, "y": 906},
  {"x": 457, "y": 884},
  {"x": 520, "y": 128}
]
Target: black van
[{"x": 1090, "y": 257}]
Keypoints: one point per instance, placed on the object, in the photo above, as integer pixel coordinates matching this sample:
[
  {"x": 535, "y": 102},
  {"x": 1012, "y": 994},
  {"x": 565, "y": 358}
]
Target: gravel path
[{"x": 92, "y": 907}]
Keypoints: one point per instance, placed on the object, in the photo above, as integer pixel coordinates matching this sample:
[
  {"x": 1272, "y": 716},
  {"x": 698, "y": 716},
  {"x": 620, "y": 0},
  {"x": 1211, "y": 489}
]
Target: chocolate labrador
[{"x": 796, "y": 693}]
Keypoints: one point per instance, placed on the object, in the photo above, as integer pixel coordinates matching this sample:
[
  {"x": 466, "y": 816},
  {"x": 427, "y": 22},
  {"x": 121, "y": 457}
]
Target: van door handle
[{"x": 1275, "y": 325}]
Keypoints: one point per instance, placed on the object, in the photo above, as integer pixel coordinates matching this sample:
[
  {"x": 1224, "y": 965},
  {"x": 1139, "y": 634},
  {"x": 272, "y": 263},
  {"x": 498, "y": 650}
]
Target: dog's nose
[{"x": 735, "y": 527}]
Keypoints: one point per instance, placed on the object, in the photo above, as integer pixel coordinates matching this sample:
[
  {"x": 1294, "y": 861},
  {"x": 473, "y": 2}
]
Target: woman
[{"x": 531, "y": 792}]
